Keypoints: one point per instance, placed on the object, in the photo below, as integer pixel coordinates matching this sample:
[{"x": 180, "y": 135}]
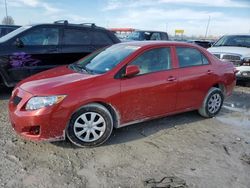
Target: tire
[
  {"x": 90, "y": 126},
  {"x": 212, "y": 103}
]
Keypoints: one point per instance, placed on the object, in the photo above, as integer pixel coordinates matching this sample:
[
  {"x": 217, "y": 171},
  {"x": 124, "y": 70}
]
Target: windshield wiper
[{"x": 78, "y": 67}]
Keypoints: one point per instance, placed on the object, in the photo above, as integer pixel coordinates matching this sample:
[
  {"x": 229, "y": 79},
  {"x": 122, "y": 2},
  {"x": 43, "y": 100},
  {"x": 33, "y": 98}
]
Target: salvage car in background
[
  {"x": 236, "y": 49},
  {"x": 5, "y": 29},
  {"x": 124, "y": 84},
  {"x": 35, "y": 48},
  {"x": 203, "y": 43},
  {"x": 141, "y": 35}
]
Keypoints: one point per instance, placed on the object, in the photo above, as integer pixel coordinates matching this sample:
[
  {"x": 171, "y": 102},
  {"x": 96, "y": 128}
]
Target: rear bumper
[
  {"x": 46, "y": 124},
  {"x": 243, "y": 74}
]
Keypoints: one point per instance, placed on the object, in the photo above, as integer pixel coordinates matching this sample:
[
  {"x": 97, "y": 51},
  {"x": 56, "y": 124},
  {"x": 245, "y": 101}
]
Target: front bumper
[{"x": 44, "y": 124}]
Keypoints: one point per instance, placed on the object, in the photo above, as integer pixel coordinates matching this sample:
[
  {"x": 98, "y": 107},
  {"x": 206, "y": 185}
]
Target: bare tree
[{"x": 8, "y": 20}]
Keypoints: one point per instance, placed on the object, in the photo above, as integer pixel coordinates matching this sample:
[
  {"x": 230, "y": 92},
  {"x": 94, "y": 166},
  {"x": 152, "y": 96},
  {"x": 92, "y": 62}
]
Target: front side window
[
  {"x": 14, "y": 33},
  {"x": 153, "y": 60},
  {"x": 190, "y": 57},
  {"x": 76, "y": 37},
  {"x": 41, "y": 36}
]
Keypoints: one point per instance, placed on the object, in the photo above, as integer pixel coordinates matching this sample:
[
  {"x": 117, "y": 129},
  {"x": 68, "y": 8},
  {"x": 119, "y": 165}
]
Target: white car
[{"x": 236, "y": 49}]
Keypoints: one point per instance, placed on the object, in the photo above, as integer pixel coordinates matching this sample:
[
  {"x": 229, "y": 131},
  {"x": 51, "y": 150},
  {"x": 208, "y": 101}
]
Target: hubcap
[
  {"x": 214, "y": 103},
  {"x": 89, "y": 127}
]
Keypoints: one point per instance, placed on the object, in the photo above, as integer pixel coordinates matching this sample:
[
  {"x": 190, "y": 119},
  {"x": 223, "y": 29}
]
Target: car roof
[
  {"x": 156, "y": 43},
  {"x": 83, "y": 25},
  {"x": 239, "y": 34}
]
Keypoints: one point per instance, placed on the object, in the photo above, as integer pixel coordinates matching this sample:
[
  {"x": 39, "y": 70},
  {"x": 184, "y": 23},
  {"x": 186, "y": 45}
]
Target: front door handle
[
  {"x": 53, "y": 50},
  {"x": 171, "y": 79},
  {"x": 209, "y": 72}
]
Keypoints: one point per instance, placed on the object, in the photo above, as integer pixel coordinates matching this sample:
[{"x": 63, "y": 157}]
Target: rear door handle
[{"x": 171, "y": 79}]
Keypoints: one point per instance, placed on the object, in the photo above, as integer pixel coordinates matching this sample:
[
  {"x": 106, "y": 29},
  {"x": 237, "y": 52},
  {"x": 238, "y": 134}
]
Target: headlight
[{"x": 36, "y": 103}]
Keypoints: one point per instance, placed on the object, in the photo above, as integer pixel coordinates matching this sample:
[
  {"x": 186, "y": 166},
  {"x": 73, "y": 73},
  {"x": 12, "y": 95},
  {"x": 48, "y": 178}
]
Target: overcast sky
[{"x": 227, "y": 16}]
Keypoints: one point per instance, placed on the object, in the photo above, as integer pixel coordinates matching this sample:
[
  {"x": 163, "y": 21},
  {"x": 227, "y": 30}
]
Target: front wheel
[
  {"x": 212, "y": 103},
  {"x": 90, "y": 126}
]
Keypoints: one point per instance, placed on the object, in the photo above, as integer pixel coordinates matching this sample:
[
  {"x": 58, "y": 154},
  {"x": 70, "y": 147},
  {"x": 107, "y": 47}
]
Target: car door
[
  {"x": 153, "y": 91},
  {"x": 34, "y": 51},
  {"x": 195, "y": 77},
  {"x": 76, "y": 43}
]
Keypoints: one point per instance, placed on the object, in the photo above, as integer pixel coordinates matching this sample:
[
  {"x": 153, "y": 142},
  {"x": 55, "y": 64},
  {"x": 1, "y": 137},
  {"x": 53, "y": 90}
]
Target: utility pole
[
  {"x": 208, "y": 22},
  {"x": 6, "y": 10}
]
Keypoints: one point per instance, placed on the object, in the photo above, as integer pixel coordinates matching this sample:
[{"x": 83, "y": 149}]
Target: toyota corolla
[{"x": 120, "y": 85}]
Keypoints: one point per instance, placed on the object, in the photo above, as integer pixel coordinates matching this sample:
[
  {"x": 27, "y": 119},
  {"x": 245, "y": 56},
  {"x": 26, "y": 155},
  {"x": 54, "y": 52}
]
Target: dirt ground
[{"x": 196, "y": 152}]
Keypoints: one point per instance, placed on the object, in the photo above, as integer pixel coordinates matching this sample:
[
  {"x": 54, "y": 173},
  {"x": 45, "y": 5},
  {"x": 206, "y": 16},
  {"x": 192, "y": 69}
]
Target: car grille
[
  {"x": 246, "y": 74},
  {"x": 235, "y": 59},
  {"x": 17, "y": 100},
  {"x": 231, "y": 57}
]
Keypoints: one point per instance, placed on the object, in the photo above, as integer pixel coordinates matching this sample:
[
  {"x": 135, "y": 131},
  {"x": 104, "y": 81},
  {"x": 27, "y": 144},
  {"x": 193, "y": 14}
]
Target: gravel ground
[{"x": 188, "y": 150}]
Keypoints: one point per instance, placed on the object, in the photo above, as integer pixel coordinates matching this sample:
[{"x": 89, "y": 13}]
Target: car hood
[
  {"x": 243, "y": 51},
  {"x": 54, "y": 81}
]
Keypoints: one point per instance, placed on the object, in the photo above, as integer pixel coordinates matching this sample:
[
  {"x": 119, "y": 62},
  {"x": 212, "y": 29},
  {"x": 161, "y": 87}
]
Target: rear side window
[
  {"x": 76, "y": 37},
  {"x": 155, "y": 36},
  {"x": 101, "y": 38},
  {"x": 153, "y": 60},
  {"x": 164, "y": 36},
  {"x": 41, "y": 36},
  {"x": 190, "y": 57}
]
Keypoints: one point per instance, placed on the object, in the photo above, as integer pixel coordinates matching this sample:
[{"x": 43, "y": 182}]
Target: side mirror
[
  {"x": 19, "y": 43},
  {"x": 131, "y": 70}
]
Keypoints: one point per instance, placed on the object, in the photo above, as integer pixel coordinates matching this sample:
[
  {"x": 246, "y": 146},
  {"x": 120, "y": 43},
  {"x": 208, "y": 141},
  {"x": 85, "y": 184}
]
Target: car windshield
[
  {"x": 134, "y": 36},
  {"x": 105, "y": 59},
  {"x": 234, "y": 40},
  {"x": 14, "y": 33}
]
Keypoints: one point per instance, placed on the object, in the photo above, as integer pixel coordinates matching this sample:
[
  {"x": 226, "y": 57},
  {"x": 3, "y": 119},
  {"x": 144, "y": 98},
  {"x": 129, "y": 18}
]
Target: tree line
[{"x": 8, "y": 20}]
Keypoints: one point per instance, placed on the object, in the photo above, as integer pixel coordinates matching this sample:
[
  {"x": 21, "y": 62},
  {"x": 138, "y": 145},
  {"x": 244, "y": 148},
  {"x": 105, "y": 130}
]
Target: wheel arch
[
  {"x": 114, "y": 113},
  {"x": 112, "y": 110},
  {"x": 221, "y": 86},
  {"x": 4, "y": 80}
]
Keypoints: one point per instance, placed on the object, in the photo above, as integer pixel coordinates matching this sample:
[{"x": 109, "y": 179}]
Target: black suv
[
  {"x": 5, "y": 29},
  {"x": 140, "y": 35},
  {"x": 35, "y": 48}
]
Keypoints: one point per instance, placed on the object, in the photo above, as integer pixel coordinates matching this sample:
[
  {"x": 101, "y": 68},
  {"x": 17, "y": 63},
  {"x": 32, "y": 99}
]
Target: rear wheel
[
  {"x": 90, "y": 126},
  {"x": 212, "y": 103}
]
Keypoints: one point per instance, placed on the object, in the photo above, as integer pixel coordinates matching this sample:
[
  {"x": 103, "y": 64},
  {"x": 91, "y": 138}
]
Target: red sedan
[{"x": 124, "y": 84}]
